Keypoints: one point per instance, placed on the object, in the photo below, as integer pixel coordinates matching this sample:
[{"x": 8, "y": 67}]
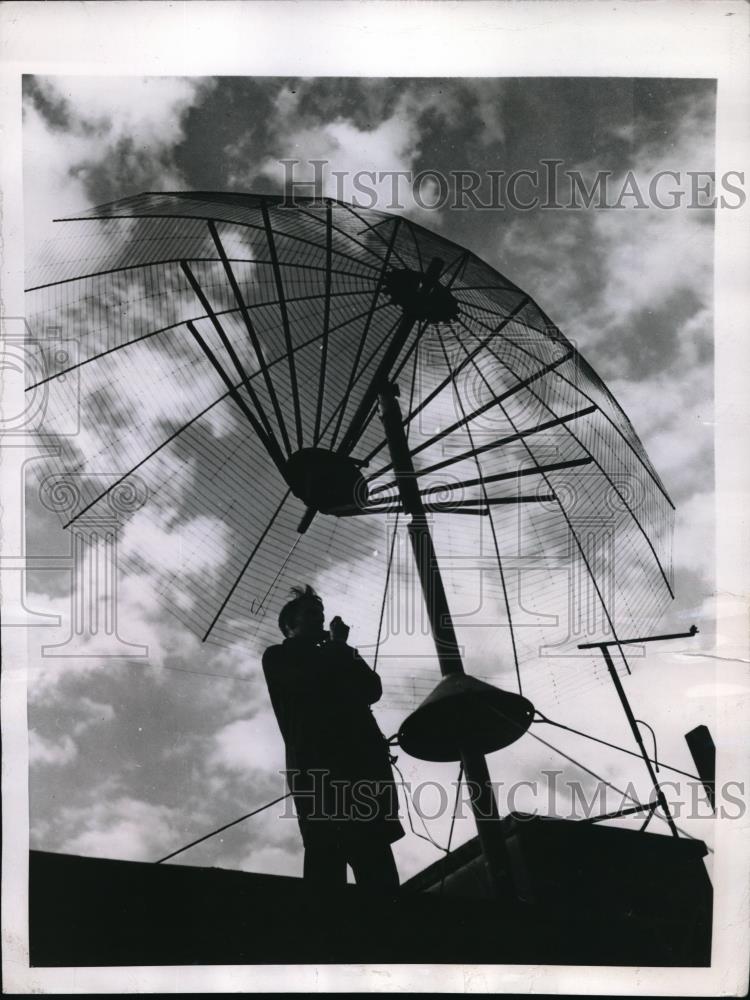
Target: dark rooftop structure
[{"x": 574, "y": 894}]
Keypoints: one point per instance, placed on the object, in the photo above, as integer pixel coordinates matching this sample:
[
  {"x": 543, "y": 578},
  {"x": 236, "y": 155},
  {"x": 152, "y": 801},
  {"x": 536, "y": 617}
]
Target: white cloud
[
  {"x": 148, "y": 108},
  {"x": 246, "y": 744},
  {"x": 672, "y": 415},
  {"x": 654, "y": 254},
  {"x": 719, "y": 690},
  {"x": 695, "y": 533},
  {"x": 391, "y": 146},
  {"x": 141, "y": 621},
  {"x": 166, "y": 551},
  {"x": 44, "y": 751},
  {"x": 94, "y": 713},
  {"x": 272, "y": 860},
  {"x": 125, "y": 827},
  {"x": 133, "y": 121},
  {"x": 648, "y": 257}
]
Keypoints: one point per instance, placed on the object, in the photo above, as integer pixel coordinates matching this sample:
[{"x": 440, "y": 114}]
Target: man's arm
[
  {"x": 359, "y": 679},
  {"x": 287, "y": 678},
  {"x": 372, "y": 686}
]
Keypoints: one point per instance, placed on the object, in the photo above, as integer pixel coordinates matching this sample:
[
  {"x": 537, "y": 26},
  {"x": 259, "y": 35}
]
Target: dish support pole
[{"x": 476, "y": 773}]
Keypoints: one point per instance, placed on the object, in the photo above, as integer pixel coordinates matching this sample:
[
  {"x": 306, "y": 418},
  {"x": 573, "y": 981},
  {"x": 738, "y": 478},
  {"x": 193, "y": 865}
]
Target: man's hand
[{"x": 339, "y": 630}]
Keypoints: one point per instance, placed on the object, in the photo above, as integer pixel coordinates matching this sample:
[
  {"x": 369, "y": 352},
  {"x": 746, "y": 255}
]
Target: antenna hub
[
  {"x": 326, "y": 480},
  {"x": 420, "y": 297}
]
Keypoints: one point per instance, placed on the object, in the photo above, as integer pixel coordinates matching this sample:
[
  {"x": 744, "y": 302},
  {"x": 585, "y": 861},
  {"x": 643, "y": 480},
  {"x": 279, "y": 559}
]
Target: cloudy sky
[{"x": 133, "y": 758}]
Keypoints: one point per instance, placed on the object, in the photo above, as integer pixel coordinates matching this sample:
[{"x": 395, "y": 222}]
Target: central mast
[
  {"x": 484, "y": 805},
  {"x": 475, "y": 769}
]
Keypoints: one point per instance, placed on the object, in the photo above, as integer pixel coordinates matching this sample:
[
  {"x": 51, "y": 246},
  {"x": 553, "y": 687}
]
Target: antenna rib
[
  {"x": 492, "y": 527},
  {"x": 435, "y": 392},
  {"x": 271, "y": 447},
  {"x": 195, "y": 285},
  {"x": 496, "y": 478},
  {"x": 259, "y": 261},
  {"x": 509, "y": 439},
  {"x": 596, "y": 462},
  {"x": 364, "y": 336},
  {"x": 572, "y": 530},
  {"x": 245, "y": 565},
  {"x": 257, "y": 347},
  {"x": 326, "y": 321},
  {"x": 195, "y": 319},
  {"x": 580, "y": 360},
  {"x": 284, "y": 321}
]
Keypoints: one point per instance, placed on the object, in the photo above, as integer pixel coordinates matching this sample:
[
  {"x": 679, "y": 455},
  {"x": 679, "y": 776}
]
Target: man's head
[{"x": 303, "y": 616}]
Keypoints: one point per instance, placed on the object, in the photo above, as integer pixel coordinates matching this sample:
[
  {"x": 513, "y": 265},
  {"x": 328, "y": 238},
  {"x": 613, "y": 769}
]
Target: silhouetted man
[{"x": 337, "y": 759}]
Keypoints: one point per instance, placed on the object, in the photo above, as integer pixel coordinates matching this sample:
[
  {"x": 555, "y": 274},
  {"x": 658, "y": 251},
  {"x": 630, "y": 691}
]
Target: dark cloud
[
  {"x": 129, "y": 168},
  {"x": 366, "y": 101},
  {"x": 236, "y": 109},
  {"x": 54, "y": 108},
  {"x": 144, "y": 733}
]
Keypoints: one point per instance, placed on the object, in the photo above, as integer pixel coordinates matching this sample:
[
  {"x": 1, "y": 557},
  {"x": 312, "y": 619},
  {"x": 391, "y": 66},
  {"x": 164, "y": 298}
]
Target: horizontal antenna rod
[
  {"x": 500, "y": 476},
  {"x": 447, "y": 505},
  {"x": 400, "y": 510},
  {"x": 649, "y": 638},
  {"x": 472, "y": 452}
]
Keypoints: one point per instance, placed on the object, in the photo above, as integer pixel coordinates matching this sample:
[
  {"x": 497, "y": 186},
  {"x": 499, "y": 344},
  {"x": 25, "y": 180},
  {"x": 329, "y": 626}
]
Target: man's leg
[
  {"x": 324, "y": 866},
  {"x": 374, "y": 867}
]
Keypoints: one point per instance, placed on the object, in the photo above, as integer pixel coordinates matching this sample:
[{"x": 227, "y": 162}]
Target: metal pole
[
  {"x": 477, "y": 775},
  {"x": 639, "y": 739},
  {"x": 647, "y": 638}
]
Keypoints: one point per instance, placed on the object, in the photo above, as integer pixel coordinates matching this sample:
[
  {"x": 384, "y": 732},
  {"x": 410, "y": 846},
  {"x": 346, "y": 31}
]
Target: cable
[
  {"x": 385, "y": 591},
  {"x": 222, "y": 828},
  {"x": 608, "y": 783},
  {"x": 583, "y": 767},
  {"x": 453, "y": 821},
  {"x": 653, "y": 737},
  {"x": 647, "y": 820},
  {"x": 408, "y": 812},
  {"x": 395, "y": 526},
  {"x": 615, "y": 746},
  {"x": 245, "y": 566},
  {"x": 281, "y": 569},
  {"x": 563, "y": 511}
]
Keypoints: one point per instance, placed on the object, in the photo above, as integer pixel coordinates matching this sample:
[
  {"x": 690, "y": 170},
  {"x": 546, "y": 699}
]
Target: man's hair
[{"x": 288, "y": 612}]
